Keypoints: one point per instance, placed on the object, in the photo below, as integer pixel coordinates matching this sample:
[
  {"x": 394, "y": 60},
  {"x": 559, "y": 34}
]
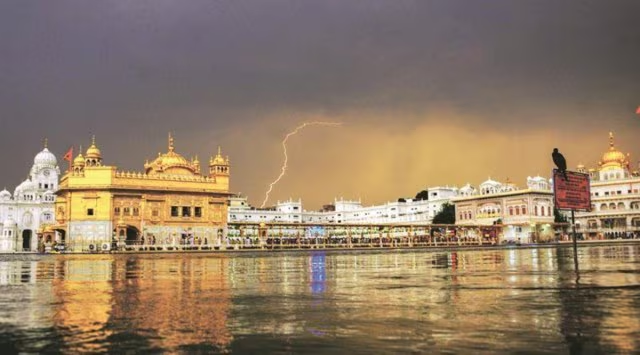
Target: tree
[
  {"x": 447, "y": 215},
  {"x": 402, "y": 200},
  {"x": 422, "y": 195},
  {"x": 558, "y": 217}
]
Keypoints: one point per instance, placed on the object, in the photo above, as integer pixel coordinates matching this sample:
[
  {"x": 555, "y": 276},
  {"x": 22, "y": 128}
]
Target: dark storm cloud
[{"x": 129, "y": 71}]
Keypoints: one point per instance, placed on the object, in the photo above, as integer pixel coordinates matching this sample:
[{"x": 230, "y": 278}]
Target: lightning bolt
[{"x": 286, "y": 157}]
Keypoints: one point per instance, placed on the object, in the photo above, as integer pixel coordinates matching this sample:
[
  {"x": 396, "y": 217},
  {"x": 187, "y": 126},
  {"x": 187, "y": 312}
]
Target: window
[
  {"x": 197, "y": 211},
  {"x": 116, "y": 211},
  {"x": 127, "y": 211},
  {"x": 186, "y": 211},
  {"x": 154, "y": 212},
  {"x": 524, "y": 210},
  {"x": 136, "y": 211},
  {"x": 89, "y": 211},
  {"x": 174, "y": 211}
]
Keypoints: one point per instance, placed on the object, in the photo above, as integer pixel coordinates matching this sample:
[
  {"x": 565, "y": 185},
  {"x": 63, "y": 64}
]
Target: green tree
[
  {"x": 447, "y": 215},
  {"x": 559, "y": 217},
  {"x": 422, "y": 195}
]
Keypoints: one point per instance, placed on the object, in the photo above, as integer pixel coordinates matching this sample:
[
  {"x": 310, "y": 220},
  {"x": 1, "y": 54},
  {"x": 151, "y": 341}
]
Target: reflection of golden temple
[{"x": 169, "y": 201}]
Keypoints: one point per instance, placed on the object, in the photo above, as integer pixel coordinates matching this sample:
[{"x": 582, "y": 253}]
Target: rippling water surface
[{"x": 386, "y": 302}]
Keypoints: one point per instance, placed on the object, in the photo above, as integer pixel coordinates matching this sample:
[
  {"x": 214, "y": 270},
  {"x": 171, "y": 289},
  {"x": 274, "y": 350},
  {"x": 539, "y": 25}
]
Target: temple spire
[
  {"x": 46, "y": 143},
  {"x": 611, "y": 141},
  {"x": 170, "y": 143}
]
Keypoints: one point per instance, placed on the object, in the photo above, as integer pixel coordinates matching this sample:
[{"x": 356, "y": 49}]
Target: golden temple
[{"x": 99, "y": 207}]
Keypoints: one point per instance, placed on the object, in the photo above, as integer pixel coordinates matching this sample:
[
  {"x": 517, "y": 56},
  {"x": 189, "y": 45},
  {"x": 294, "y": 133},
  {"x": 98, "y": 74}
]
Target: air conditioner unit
[
  {"x": 105, "y": 247},
  {"x": 92, "y": 247}
]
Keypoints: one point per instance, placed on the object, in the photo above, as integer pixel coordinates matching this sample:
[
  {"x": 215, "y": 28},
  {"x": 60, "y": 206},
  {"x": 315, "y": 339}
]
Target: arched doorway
[
  {"x": 133, "y": 235},
  {"x": 26, "y": 239}
]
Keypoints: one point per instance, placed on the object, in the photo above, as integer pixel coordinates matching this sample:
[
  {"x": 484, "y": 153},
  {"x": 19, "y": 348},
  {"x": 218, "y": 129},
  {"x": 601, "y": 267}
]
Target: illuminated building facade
[
  {"x": 409, "y": 211},
  {"x": 31, "y": 206},
  {"x": 526, "y": 215},
  {"x": 615, "y": 197},
  {"x": 171, "y": 202}
]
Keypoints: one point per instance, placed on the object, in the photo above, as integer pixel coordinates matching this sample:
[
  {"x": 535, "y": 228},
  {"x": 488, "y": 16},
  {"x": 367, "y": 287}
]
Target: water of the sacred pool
[{"x": 514, "y": 300}]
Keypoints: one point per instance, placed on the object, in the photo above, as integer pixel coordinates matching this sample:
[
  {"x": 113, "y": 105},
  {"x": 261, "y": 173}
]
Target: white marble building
[
  {"x": 30, "y": 206},
  {"x": 526, "y": 215},
  {"x": 615, "y": 198},
  {"x": 410, "y": 211}
]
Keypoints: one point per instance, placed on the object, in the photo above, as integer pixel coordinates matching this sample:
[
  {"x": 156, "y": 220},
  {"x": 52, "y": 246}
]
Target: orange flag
[{"x": 68, "y": 156}]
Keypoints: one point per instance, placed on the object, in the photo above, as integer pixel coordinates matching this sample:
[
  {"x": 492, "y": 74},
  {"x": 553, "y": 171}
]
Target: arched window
[
  {"x": 510, "y": 211},
  {"x": 524, "y": 210},
  {"x": 517, "y": 210}
]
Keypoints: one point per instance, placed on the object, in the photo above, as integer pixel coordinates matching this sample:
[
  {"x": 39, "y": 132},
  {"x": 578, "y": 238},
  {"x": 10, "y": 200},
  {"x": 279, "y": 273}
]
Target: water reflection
[{"x": 383, "y": 302}]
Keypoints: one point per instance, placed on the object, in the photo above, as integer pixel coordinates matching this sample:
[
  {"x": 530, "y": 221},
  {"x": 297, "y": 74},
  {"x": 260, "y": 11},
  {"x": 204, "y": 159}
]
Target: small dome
[
  {"x": 79, "y": 160},
  {"x": 5, "y": 195},
  {"x": 467, "y": 189},
  {"x": 93, "y": 152},
  {"x": 26, "y": 185},
  {"x": 490, "y": 182},
  {"x": 45, "y": 158}
]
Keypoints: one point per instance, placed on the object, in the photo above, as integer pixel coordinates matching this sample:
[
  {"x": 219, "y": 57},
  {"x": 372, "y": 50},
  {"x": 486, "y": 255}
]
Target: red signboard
[{"x": 571, "y": 192}]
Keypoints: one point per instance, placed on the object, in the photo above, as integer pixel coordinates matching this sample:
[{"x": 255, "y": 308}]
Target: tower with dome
[
  {"x": 31, "y": 206},
  {"x": 615, "y": 197},
  {"x": 170, "y": 202}
]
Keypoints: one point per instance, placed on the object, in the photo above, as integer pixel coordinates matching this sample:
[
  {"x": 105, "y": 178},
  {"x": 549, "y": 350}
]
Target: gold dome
[
  {"x": 218, "y": 159},
  {"x": 93, "y": 152},
  {"x": 613, "y": 158},
  {"x": 170, "y": 163},
  {"x": 79, "y": 160}
]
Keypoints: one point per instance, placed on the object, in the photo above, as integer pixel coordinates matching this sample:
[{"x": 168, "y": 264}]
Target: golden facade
[{"x": 171, "y": 202}]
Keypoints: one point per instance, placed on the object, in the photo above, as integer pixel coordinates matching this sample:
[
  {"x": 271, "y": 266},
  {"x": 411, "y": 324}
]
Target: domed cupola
[
  {"x": 78, "y": 162},
  {"x": 613, "y": 158},
  {"x": 5, "y": 195},
  {"x": 45, "y": 158},
  {"x": 490, "y": 187},
  {"x": 93, "y": 157},
  {"x": 537, "y": 183},
  {"x": 172, "y": 163},
  {"x": 467, "y": 190},
  {"x": 27, "y": 190}
]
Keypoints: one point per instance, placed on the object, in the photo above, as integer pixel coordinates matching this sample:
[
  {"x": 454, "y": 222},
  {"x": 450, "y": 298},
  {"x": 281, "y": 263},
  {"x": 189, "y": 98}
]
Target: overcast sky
[{"x": 430, "y": 92}]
